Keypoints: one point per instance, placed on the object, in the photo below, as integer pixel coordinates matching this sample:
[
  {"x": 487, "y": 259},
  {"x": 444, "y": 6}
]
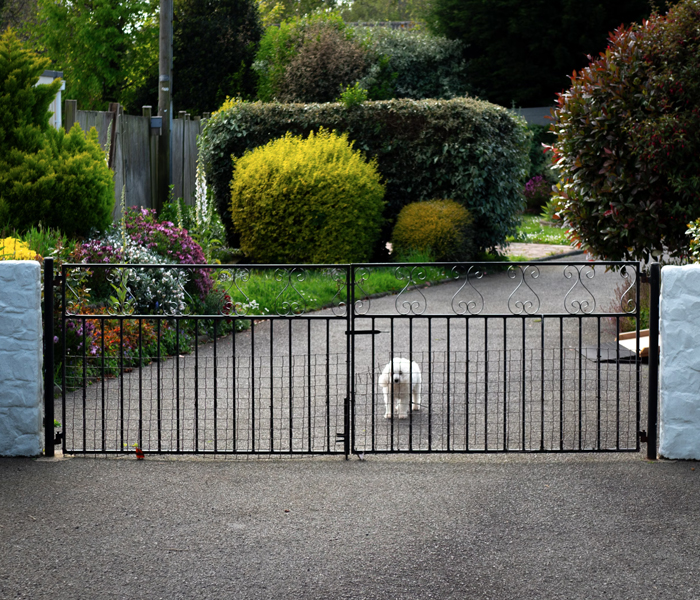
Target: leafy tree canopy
[
  {"x": 383, "y": 10},
  {"x": 105, "y": 48},
  {"x": 521, "y": 51},
  {"x": 214, "y": 46}
]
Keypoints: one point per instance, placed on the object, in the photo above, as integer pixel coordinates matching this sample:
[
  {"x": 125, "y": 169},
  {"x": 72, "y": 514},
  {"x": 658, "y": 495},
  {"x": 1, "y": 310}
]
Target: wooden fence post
[{"x": 70, "y": 111}]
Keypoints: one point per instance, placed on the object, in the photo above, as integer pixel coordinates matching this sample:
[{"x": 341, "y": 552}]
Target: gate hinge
[
  {"x": 59, "y": 279},
  {"x": 363, "y": 332},
  {"x": 339, "y": 437},
  {"x": 58, "y": 439},
  {"x": 643, "y": 437}
]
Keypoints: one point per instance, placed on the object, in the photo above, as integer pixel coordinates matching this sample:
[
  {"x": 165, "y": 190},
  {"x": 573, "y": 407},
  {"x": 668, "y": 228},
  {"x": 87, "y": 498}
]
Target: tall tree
[
  {"x": 105, "y": 48},
  {"x": 16, "y": 14},
  {"x": 214, "y": 46},
  {"x": 522, "y": 51}
]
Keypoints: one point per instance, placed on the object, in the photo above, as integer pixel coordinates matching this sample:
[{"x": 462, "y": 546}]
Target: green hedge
[{"x": 471, "y": 151}]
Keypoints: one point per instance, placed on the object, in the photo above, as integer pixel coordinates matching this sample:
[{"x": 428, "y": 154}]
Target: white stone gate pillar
[
  {"x": 21, "y": 356},
  {"x": 679, "y": 376}
]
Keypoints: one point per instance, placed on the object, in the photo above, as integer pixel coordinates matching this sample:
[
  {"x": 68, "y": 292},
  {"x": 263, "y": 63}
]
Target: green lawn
[{"x": 532, "y": 231}]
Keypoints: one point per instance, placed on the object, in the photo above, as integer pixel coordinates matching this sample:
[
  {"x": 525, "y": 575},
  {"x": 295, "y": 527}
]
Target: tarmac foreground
[
  {"x": 501, "y": 526},
  {"x": 504, "y": 526}
]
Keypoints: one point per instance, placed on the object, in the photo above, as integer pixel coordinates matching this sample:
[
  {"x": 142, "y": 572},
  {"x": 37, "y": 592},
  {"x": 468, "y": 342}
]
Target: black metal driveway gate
[{"x": 515, "y": 357}]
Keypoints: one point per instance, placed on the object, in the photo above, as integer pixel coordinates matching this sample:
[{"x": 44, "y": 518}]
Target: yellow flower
[{"x": 14, "y": 249}]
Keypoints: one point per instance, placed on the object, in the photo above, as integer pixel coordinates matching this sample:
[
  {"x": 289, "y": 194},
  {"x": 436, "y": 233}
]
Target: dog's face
[{"x": 400, "y": 371}]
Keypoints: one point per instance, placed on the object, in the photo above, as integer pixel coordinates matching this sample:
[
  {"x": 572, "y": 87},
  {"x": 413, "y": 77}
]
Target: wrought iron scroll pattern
[
  {"x": 338, "y": 305},
  {"x": 234, "y": 278},
  {"x": 414, "y": 277},
  {"x": 575, "y": 306},
  {"x": 628, "y": 306},
  {"x": 362, "y": 302},
  {"x": 467, "y": 305},
  {"x": 284, "y": 305},
  {"x": 523, "y": 305}
]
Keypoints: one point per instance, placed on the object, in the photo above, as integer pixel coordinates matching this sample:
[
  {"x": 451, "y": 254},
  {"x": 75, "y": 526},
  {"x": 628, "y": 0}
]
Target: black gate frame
[{"x": 353, "y": 282}]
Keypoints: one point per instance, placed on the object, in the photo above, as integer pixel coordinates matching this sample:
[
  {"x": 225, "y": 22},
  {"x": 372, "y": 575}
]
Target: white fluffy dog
[{"x": 400, "y": 381}]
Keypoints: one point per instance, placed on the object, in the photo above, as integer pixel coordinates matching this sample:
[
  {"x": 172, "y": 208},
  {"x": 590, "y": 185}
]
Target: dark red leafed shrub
[{"x": 628, "y": 140}]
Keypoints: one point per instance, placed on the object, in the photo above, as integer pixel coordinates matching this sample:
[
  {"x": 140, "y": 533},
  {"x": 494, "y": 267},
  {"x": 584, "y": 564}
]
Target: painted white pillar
[
  {"x": 21, "y": 357},
  {"x": 679, "y": 377}
]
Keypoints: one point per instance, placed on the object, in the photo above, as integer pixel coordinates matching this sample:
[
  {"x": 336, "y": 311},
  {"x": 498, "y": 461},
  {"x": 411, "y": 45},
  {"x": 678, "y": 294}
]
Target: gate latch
[
  {"x": 58, "y": 439},
  {"x": 58, "y": 280},
  {"x": 363, "y": 332},
  {"x": 339, "y": 437},
  {"x": 643, "y": 437}
]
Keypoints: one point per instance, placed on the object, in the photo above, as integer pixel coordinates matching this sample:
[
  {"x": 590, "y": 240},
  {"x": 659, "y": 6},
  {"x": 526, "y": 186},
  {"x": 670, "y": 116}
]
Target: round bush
[
  {"x": 441, "y": 228},
  {"x": 313, "y": 200},
  {"x": 628, "y": 140}
]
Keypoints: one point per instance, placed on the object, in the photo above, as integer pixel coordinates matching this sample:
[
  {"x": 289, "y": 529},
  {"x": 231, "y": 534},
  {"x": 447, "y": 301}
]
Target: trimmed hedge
[{"x": 471, "y": 151}]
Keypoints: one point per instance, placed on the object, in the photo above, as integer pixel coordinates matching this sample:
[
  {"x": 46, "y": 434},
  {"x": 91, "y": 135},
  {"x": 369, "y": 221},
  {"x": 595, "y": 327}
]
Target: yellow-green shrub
[
  {"x": 313, "y": 200},
  {"x": 441, "y": 228}
]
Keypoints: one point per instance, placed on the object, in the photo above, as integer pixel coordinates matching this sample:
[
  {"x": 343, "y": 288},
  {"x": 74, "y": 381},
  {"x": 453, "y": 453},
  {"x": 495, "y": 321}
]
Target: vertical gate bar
[
  {"x": 466, "y": 383},
  {"x": 410, "y": 374},
  {"x": 121, "y": 382},
  {"x": 64, "y": 367},
  {"x": 140, "y": 383},
  {"x": 348, "y": 423},
  {"x": 505, "y": 384},
  {"x": 598, "y": 407},
  {"x": 449, "y": 390},
  {"x": 561, "y": 383},
  {"x": 84, "y": 330},
  {"x": 308, "y": 375},
  {"x": 638, "y": 360},
  {"x": 655, "y": 284},
  {"x": 391, "y": 396},
  {"x": 49, "y": 448},
  {"x": 617, "y": 386},
  {"x": 486, "y": 383},
  {"x": 177, "y": 385},
  {"x": 158, "y": 392},
  {"x": 196, "y": 385},
  {"x": 102, "y": 368},
  {"x": 216, "y": 399},
  {"x": 430, "y": 384},
  {"x": 328, "y": 385},
  {"x": 234, "y": 380},
  {"x": 580, "y": 383},
  {"x": 524, "y": 393},
  {"x": 291, "y": 390},
  {"x": 373, "y": 396},
  {"x": 252, "y": 385},
  {"x": 542, "y": 382},
  {"x": 272, "y": 385}
]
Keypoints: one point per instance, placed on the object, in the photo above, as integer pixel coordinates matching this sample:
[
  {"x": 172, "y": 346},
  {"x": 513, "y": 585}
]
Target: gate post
[
  {"x": 653, "y": 404},
  {"x": 350, "y": 349},
  {"x": 48, "y": 358}
]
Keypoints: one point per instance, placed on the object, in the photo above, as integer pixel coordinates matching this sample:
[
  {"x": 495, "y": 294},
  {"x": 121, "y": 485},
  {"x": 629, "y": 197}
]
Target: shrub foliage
[
  {"x": 470, "y": 151},
  {"x": 442, "y": 228},
  {"x": 407, "y": 63},
  {"x": 628, "y": 140},
  {"x": 313, "y": 200},
  {"x": 47, "y": 176}
]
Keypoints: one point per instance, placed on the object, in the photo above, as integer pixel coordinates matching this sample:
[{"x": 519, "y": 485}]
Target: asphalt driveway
[{"x": 507, "y": 526}]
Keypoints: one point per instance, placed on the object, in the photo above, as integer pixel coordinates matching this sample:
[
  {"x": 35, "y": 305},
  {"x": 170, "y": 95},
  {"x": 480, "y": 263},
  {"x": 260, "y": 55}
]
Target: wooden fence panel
[
  {"x": 135, "y": 156},
  {"x": 133, "y": 162},
  {"x": 183, "y": 144}
]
